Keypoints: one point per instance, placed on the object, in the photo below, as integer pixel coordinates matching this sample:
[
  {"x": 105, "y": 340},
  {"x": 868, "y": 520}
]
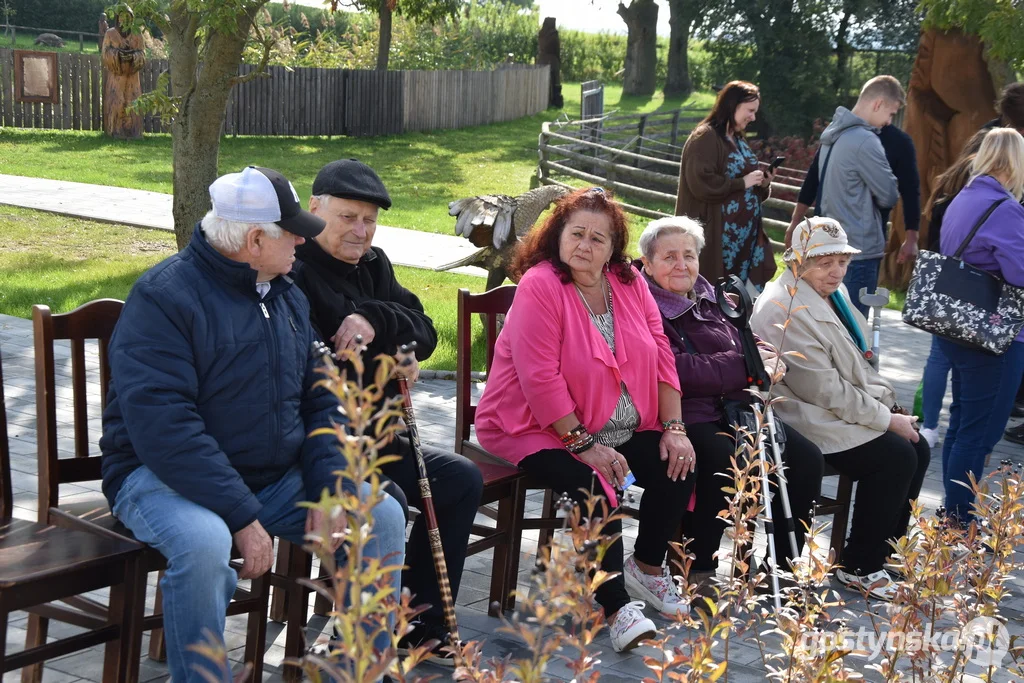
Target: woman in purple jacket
[
  {"x": 984, "y": 386},
  {"x": 711, "y": 370}
]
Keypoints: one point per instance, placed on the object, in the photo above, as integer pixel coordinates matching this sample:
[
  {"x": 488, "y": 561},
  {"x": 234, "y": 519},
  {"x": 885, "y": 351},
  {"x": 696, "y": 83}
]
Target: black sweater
[{"x": 336, "y": 289}]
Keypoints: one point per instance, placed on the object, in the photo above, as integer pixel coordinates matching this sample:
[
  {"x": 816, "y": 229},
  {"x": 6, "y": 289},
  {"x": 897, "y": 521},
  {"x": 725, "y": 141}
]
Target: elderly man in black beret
[{"x": 353, "y": 292}]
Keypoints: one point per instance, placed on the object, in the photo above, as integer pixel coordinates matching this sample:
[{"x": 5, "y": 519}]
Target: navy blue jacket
[
  {"x": 213, "y": 389},
  {"x": 902, "y": 158}
]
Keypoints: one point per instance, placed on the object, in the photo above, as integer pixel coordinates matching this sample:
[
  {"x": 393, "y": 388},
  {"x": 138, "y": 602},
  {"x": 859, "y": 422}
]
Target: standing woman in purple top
[{"x": 984, "y": 385}]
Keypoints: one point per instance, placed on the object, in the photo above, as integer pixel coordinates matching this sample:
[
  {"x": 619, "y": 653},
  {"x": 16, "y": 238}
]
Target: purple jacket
[
  {"x": 998, "y": 247},
  {"x": 711, "y": 366}
]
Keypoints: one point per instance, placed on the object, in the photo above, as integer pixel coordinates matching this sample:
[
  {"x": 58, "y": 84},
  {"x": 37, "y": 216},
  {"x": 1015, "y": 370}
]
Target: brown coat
[{"x": 704, "y": 188}]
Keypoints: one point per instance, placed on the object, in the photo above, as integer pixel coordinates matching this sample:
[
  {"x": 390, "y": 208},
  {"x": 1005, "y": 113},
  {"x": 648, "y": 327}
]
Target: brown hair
[
  {"x": 952, "y": 180},
  {"x": 886, "y": 87},
  {"x": 541, "y": 245},
  {"x": 1011, "y": 106},
  {"x": 728, "y": 101}
]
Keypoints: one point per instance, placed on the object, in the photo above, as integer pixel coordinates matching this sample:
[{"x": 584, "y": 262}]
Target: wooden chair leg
[
  {"x": 321, "y": 606},
  {"x": 157, "y": 644},
  {"x": 3, "y": 641},
  {"x": 127, "y": 602},
  {"x": 547, "y": 511},
  {"x": 844, "y": 494},
  {"x": 301, "y": 564},
  {"x": 279, "y": 603},
  {"x": 503, "y": 522},
  {"x": 256, "y": 630},
  {"x": 38, "y": 628},
  {"x": 508, "y": 602}
]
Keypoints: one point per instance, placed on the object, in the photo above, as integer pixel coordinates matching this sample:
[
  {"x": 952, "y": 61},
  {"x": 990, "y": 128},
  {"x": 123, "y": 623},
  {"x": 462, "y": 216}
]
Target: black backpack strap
[{"x": 974, "y": 230}]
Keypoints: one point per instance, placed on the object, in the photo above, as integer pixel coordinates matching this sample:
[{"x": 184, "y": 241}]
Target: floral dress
[{"x": 741, "y": 217}]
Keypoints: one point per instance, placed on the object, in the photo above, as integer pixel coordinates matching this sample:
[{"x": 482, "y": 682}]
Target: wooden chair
[
  {"x": 504, "y": 484},
  {"x": 95, "y": 321},
  {"x": 839, "y": 508},
  {"x": 42, "y": 564}
]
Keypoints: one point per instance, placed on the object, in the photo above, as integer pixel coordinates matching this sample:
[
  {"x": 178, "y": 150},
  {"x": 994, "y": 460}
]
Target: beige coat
[{"x": 832, "y": 394}]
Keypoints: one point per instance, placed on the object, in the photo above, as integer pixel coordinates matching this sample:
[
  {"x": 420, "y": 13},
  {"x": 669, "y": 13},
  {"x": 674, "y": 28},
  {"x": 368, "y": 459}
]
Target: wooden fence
[
  {"x": 639, "y": 161},
  {"x": 303, "y": 101}
]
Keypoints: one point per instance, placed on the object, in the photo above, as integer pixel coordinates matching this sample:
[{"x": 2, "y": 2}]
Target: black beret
[{"x": 351, "y": 179}]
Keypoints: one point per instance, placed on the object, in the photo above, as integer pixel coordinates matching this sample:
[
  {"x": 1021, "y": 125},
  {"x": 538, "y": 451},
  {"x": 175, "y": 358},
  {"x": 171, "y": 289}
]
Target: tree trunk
[
  {"x": 641, "y": 19},
  {"x": 682, "y": 14},
  {"x": 195, "y": 131},
  {"x": 384, "y": 36},
  {"x": 843, "y": 52}
]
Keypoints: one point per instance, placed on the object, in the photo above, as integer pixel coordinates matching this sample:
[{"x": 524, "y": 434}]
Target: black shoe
[
  {"x": 421, "y": 633},
  {"x": 1018, "y": 409},
  {"x": 1015, "y": 434}
]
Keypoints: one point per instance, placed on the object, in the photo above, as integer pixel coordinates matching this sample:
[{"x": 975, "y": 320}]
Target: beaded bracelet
[
  {"x": 573, "y": 434},
  {"x": 582, "y": 445},
  {"x": 675, "y": 425}
]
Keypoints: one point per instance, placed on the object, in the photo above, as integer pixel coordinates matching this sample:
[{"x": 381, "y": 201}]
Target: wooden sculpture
[{"x": 123, "y": 59}]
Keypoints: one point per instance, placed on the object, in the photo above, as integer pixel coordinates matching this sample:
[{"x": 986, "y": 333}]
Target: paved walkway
[
  {"x": 904, "y": 352},
  {"x": 145, "y": 209}
]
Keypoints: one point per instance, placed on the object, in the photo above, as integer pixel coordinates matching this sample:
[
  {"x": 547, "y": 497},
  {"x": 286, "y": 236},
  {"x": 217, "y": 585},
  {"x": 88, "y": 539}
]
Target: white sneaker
[
  {"x": 930, "y": 435},
  {"x": 631, "y": 626},
  {"x": 878, "y": 585},
  {"x": 660, "y": 591}
]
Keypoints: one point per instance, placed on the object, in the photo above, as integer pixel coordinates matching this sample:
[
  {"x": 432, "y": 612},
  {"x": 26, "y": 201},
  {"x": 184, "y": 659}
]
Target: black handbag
[{"x": 964, "y": 304}]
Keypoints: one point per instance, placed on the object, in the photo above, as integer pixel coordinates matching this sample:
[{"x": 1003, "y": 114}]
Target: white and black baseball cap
[{"x": 262, "y": 195}]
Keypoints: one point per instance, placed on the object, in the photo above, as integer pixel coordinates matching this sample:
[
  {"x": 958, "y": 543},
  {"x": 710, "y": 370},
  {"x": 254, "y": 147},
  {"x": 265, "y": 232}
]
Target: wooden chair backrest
[
  {"x": 491, "y": 303},
  {"x": 94, "y": 320},
  {"x": 6, "y": 489}
]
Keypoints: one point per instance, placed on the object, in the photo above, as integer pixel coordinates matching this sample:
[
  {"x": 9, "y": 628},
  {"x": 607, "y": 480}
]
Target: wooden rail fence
[
  {"x": 303, "y": 101},
  {"x": 638, "y": 160}
]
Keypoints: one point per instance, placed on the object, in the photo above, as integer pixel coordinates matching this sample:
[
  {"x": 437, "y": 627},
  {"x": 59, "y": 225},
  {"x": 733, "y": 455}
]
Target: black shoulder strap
[
  {"x": 690, "y": 349},
  {"x": 974, "y": 230},
  {"x": 821, "y": 175}
]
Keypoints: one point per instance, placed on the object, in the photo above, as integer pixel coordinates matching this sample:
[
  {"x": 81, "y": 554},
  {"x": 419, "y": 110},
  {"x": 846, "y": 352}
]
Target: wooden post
[
  {"x": 641, "y": 127},
  {"x": 542, "y": 152},
  {"x": 675, "y": 128},
  {"x": 81, "y": 43}
]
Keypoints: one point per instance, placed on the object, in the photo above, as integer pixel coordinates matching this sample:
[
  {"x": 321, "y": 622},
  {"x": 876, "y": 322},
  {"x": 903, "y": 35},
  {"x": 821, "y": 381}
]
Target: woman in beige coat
[{"x": 836, "y": 399}]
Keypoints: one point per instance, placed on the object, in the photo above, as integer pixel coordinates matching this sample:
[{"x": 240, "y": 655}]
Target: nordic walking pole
[
  {"x": 738, "y": 313},
  {"x": 433, "y": 533}
]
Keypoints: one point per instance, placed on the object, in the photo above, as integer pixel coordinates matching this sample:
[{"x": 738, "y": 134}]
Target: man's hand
[
  {"x": 257, "y": 550},
  {"x": 352, "y": 326},
  {"x": 908, "y": 252},
  {"x": 336, "y": 530},
  {"x": 408, "y": 367}
]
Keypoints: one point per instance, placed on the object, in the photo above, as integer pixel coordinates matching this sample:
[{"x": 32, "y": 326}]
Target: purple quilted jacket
[{"x": 707, "y": 349}]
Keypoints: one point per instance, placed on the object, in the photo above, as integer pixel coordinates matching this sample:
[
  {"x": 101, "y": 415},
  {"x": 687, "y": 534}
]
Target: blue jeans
[
  {"x": 936, "y": 372},
  {"x": 199, "y": 582},
  {"x": 984, "y": 387},
  {"x": 863, "y": 273}
]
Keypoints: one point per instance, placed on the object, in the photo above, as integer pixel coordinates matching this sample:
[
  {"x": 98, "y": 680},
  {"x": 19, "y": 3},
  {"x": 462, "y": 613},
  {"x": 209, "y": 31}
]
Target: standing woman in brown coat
[{"x": 721, "y": 185}]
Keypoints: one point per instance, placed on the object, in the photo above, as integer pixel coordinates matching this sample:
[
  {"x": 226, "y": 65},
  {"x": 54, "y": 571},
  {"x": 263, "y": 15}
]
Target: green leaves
[{"x": 999, "y": 24}]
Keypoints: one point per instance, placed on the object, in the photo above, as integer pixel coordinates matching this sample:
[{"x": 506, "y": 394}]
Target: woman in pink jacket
[{"x": 584, "y": 389}]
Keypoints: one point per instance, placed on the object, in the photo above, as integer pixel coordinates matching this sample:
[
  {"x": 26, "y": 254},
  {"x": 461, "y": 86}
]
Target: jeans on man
[
  {"x": 984, "y": 387},
  {"x": 199, "y": 581},
  {"x": 861, "y": 274}
]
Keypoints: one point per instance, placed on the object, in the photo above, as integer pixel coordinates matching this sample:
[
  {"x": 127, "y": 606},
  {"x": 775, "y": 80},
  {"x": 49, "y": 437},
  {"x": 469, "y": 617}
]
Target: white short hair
[
  {"x": 229, "y": 236},
  {"x": 670, "y": 225}
]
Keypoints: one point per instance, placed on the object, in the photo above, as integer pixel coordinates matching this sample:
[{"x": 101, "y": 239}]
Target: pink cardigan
[{"x": 550, "y": 360}]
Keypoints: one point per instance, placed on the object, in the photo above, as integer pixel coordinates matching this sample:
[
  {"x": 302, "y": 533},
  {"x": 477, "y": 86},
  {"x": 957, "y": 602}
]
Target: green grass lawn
[
  {"x": 64, "y": 262},
  {"x": 24, "y": 40},
  {"x": 423, "y": 171}
]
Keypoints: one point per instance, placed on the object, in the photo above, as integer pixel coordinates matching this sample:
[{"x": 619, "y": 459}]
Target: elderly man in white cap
[
  {"x": 835, "y": 398},
  {"x": 212, "y": 395}
]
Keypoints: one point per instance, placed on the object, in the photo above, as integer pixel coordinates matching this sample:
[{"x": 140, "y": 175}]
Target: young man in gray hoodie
[{"x": 856, "y": 180}]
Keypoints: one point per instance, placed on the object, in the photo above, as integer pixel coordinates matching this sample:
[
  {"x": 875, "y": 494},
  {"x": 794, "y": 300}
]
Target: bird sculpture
[{"x": 495, "y": 223}]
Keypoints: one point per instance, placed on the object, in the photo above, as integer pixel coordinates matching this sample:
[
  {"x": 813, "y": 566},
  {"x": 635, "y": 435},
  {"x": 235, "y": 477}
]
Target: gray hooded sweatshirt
[{"x": 857, "y": 183}]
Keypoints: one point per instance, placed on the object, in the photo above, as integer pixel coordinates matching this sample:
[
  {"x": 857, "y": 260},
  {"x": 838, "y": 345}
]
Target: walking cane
[
  {"x": 738, "y": 313},
  {"x": 433, "y": 533},
  {"x": 876, "y": 301}
]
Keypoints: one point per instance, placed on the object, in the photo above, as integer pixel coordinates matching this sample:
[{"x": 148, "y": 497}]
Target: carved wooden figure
[
  {"x": 123, "y": 58},
  {"x": 952, "y": 94}
]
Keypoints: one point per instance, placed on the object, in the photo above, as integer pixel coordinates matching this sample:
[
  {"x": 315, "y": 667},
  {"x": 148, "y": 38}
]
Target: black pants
[
  {"x": 889, "y": 472},
  {"x": 804, "y": 468},
  {"x": 661, "y": 508},
  {"x": 455, "y": 485}
]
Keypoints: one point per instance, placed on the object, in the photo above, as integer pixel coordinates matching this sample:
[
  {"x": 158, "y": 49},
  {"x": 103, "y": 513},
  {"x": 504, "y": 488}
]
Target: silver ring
[{"x": 615, "y": 463}]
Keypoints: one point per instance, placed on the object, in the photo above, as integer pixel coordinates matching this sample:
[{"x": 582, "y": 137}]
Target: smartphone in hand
[{"x": 776, "y": 162}]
